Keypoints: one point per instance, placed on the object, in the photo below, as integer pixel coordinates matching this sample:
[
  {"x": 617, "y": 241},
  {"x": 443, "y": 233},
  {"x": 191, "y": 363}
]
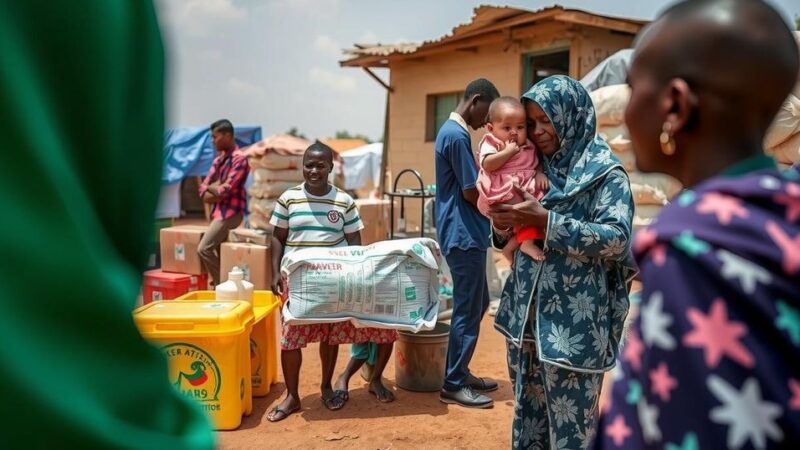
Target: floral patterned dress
[{"x": 562, "y": 317}]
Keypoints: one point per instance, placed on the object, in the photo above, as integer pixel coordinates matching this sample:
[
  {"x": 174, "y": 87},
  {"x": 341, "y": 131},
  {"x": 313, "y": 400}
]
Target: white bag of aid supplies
[{"x": 389, "y": 284}]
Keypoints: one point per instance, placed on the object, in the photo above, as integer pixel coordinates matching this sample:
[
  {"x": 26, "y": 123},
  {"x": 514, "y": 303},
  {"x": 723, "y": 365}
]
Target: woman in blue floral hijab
[{"x": 562, "y": 317}]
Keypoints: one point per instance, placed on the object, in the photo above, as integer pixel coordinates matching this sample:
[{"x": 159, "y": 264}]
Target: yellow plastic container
[
  {"x": 263, "y": 340},
  {"x": 206, "y": 344}
]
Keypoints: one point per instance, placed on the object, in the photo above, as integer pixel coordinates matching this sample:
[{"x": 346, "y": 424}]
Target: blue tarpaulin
[{"x": 188, "y": 151}]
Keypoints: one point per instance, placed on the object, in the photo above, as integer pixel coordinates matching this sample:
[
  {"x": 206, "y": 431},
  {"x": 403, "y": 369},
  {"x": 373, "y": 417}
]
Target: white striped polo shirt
[{"x": 316, "y": 221}]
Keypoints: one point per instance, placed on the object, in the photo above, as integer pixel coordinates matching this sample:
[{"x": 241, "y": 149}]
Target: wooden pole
[
  {"x": 378, "y": 79},
  {"x": 385, "y": 152}
]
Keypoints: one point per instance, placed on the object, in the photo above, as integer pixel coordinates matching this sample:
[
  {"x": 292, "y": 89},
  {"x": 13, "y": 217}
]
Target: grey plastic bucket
[{"x": 420, "y": 359}]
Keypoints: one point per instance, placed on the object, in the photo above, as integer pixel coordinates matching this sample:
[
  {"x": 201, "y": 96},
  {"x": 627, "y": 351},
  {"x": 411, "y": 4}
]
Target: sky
[{"x": 275, "y": 63}]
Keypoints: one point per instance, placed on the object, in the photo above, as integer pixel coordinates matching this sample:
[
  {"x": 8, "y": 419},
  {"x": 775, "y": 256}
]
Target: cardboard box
[
  {"x": 254, "y": 260},
  {"x": 179, "y": 249},
  {"x": 250, "y": 236},
  {"x": 154, "y": 247},
  {"x": 375, "y": 216}
]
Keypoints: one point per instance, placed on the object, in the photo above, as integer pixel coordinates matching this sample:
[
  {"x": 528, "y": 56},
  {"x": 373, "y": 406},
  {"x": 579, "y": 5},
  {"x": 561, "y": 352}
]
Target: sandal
[
  {"x": 273, "y": 414},
  {"x": 344, "y": 395},
  {"x": 335, "y": 403}
]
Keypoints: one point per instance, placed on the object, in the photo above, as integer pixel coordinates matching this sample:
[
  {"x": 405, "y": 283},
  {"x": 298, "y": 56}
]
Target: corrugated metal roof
[
  {"x": 482, "y": 16},
  {"x": 485, "y": 18},
  {"x": 486, "y": 15},
  {"x": 381, "y": 50}
]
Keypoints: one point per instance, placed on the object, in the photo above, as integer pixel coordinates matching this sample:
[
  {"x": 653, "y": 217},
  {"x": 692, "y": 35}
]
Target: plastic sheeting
[
  {"x": 188, "y": 151},
  {"x": 169, "y": 202},
  {"x": 613, "y": 70}
]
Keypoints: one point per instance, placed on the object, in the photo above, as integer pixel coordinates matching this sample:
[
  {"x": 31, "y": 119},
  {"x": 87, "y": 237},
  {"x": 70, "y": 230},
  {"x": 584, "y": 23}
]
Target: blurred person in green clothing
[{"x": 81, "y": 115}]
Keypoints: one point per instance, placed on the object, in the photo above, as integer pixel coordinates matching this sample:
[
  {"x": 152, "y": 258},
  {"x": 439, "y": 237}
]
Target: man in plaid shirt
[{"x": 223, "y": 188}]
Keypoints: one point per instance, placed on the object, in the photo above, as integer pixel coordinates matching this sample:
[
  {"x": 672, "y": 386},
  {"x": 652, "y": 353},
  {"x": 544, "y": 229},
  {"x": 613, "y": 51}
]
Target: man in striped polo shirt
[
  {"x": 316, "y": 214},
  {"x": 316, "y": 221}
]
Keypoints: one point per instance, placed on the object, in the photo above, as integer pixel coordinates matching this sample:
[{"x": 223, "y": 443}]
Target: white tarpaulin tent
[{"x": 362, "y": 166}]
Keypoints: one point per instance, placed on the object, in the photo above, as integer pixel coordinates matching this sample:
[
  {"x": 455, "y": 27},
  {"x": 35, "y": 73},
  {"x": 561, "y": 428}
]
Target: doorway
[{"x": 539, "y": 65}]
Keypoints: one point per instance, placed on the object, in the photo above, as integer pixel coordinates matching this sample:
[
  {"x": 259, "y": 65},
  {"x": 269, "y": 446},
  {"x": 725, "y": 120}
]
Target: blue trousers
[{"x": 470, "y": 302}]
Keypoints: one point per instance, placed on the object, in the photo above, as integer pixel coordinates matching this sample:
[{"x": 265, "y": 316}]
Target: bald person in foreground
[{"x": 713, "y": 360}]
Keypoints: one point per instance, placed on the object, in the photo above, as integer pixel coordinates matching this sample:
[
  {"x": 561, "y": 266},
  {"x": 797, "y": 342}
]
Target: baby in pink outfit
[{"x": 508, "y": 160}]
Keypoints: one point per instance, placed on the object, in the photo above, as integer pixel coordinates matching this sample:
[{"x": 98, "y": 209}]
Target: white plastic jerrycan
[{"x": 236, "y": 288}]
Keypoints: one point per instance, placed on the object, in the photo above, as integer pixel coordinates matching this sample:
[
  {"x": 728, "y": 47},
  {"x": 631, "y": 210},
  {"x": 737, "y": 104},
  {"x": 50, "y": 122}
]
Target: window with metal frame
[{"x": 438, "y": 109}]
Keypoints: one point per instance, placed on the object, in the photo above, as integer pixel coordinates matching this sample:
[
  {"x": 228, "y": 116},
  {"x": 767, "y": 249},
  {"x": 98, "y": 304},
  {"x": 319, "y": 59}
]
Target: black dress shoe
[
  {"x": 482, "y": 384},
  {"x": 465, "y": 397}
]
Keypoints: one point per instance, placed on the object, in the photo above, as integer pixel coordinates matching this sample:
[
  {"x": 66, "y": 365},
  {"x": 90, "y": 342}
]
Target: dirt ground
[{"x": 413, "y": 421}]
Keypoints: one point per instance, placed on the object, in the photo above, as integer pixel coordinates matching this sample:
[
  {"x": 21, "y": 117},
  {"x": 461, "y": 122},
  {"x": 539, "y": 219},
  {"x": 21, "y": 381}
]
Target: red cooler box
[{"x": 160, "y": 285}]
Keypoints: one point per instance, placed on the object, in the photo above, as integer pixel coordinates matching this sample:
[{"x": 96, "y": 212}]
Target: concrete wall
[
  {"x": 593, "y": 45},
  {"x": 414, "y": 80}
]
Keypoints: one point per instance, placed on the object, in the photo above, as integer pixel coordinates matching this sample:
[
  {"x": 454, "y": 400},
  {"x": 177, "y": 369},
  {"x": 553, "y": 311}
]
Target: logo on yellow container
[
  {"x": 255, "y": 362},
  {"x": 193, "y": 371}
]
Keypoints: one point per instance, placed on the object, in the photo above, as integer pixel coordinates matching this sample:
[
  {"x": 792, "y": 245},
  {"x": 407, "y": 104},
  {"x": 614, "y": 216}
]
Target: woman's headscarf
[
  {"x": 581, "y": 162},
  {"x": 583, "y": 157}
]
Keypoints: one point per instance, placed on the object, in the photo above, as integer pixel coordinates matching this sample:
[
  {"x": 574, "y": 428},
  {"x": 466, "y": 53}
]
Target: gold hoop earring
[{"x": 666, "y": 139}]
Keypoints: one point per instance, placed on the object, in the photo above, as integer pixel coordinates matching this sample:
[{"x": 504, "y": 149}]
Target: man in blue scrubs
[{"x": 464, "y": 237}]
